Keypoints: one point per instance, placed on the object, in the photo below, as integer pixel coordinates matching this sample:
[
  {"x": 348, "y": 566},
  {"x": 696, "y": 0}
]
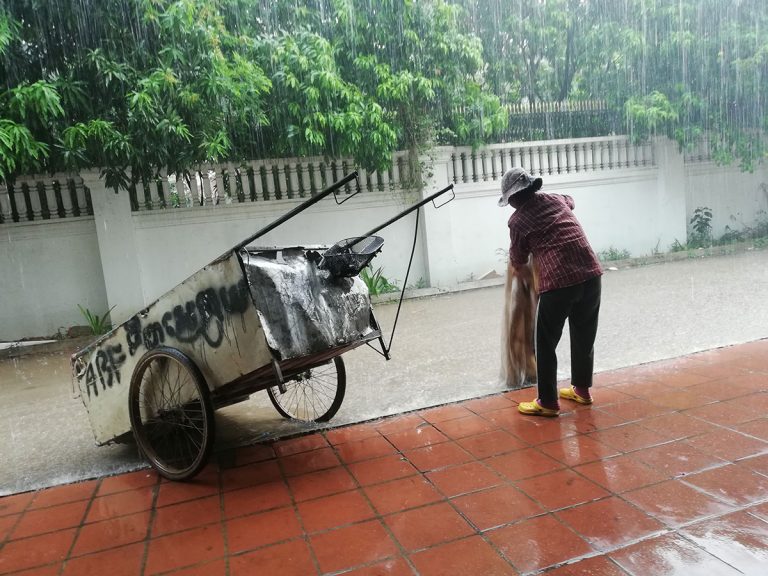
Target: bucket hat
[{"x": 516, "y": 180}]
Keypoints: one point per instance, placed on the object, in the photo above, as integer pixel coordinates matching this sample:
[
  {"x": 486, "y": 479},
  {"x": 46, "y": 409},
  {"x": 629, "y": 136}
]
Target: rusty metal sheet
[
  {"x": 305, "y": 310},
  {"x": 210, "y": 317}
]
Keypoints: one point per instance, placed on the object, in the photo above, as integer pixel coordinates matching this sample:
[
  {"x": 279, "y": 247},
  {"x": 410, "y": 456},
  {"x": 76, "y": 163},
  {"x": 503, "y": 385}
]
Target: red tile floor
[{"x": 667, "y": 473}]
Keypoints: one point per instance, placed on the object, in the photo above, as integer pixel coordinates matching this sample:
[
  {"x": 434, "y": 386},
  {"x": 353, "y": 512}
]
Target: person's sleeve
[
  {"x": 569, "y": 201},
  {"x": 518, "y": 248}
]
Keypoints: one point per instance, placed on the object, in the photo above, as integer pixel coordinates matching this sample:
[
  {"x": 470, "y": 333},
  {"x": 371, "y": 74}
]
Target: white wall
[
  {"x": 48, "y": 268},
  {"x": 735, "y": 197},
  {"x": 173, "y": 244},
  {"x": 625, "y": 210},
  {"x": 128, "y": 260}
]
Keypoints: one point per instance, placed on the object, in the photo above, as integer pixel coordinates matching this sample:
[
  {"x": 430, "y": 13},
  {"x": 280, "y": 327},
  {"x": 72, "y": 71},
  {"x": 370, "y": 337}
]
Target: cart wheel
[
  {"x": 171, "y": 413},
  {"x": 313, "y": 395}
]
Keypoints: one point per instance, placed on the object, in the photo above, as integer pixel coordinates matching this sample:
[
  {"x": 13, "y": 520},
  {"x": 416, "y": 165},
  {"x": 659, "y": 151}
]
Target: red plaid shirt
[{"x": 545, "y": 226}]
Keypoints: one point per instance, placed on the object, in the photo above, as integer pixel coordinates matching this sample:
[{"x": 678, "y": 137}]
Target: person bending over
[{"x": 568, "y": 284}]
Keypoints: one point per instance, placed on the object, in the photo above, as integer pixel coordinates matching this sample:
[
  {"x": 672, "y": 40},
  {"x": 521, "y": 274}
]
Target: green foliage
[
  {"x": 419, "y": 284},
  {"x": 422, "y": 68},
  {"x": 376, "y": 282},
  {"x": 612, "y": 254},
  {"x": 701, "y": 224},
  {"x": 314, "y": 110},
  {"x": 678, "y": 247},
  {"x": 650, "y": 115},
  {"x": 757, "y": 232},
  {"x": 135, "y": 86},
  {"x": 98, "y": 324}
]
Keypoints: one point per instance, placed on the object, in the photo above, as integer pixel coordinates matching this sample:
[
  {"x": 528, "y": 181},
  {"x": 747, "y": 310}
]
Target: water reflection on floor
[{"x": 446, "y": 348}]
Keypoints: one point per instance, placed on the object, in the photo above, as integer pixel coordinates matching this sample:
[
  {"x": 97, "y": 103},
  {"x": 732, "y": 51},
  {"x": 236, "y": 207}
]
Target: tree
[
  {"x": 142, "y": 84},
  {"x": 418, "y": 64},
  {"x": 693, "y": 68},
  {"x": 136, "y": 86}
]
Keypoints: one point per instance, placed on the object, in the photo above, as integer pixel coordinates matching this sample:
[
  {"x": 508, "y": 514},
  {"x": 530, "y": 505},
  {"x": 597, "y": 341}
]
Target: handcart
[{"x": 275, "y": 319}]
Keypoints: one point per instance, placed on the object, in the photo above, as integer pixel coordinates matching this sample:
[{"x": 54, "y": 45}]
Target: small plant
[
  {"x": 376, "y": 281},
  {"x": 701, "y": 222},
  {"x": 98, "y": 324},
  {"x": 613, "y": 254},
  {"x": 419, "y": 284},
  {"x": 678, "y": 247}
]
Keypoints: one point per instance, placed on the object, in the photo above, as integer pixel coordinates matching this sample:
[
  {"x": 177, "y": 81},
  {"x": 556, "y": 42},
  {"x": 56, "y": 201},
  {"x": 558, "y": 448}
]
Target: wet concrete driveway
[{"x": 446, "y": 348}]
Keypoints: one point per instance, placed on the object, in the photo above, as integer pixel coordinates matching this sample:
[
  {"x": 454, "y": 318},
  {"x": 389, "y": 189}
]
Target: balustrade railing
[
  {"x": 549, "y": 157},
  {"x": 262, "y": 181},
  {"x": 43, "y": 197},
  {"x": 698, "y": 151}
]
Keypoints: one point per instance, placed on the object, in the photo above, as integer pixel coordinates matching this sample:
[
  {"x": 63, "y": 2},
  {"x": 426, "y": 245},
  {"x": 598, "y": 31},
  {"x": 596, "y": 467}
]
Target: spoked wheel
[
  {"x": 171, "y": 413},
  {"x": 314, "y": 395}
]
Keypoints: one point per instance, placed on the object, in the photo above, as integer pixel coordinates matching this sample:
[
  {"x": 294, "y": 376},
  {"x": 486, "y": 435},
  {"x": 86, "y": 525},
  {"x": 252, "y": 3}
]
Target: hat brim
[{"x": 535, "y": 185}]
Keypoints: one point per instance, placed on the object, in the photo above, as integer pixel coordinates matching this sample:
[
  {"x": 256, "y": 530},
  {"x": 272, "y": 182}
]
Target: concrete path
[{"x": 446, "y": 348}]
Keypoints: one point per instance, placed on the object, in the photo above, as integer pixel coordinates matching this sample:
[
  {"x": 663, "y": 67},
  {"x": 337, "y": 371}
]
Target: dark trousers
[{"x": 580, "y": 304}]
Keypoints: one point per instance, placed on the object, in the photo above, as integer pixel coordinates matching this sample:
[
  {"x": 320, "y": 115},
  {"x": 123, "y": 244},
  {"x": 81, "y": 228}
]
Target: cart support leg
[{"x": 278, "y": 376}]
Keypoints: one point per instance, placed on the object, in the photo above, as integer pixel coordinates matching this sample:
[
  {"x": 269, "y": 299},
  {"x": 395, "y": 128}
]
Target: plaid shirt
[{"x": 545, "y": 226}]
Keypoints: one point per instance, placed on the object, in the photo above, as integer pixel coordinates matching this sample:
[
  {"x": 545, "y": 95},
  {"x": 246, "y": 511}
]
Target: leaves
[
  {"x": 144, "y": 85},
  {"x": 376, "y": 282},
  {"x": 19, "y": 150},
  {"x": 98, "y": 324}
]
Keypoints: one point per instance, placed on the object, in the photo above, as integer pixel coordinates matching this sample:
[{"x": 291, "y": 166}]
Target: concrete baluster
[
  {"x": 563, "y": 159},
  {"x": 328, "y": 175},
  {"x": 231, "y": 179},
  {"x": 162, "y": 190},
  {"x": 194, "y": 188},
  {"x": 5, "y": 205},
  {"x": 454, "y": 164},
  {"x": 66, "y": 197},
  {"x": 82, "y": 197},
  {"x": 205, "y": 186},
  {"x": 34, "y": 198},
  {"x": 292, "y": 167},
  {"x": 515, "y": 157},
  {"x": 279, "y": 178},
  {"x": 494, "y": 162},
  {"x": 50, "y": 199},
  {"x": 141, "y": 200},
  {"x": 19, "y": 194}
]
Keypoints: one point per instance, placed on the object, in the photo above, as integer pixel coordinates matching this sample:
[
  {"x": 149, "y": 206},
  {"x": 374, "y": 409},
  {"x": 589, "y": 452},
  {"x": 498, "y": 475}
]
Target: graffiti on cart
[
  {"x": 105, "y": 368},
  {"x": 200, "y": 320}
]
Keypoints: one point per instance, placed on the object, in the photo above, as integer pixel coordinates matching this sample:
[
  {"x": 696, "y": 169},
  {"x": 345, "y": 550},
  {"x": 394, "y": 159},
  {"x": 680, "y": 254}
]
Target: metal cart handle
[
  {"x": 385, "y": 349},
  {"x": 300, "y": 208}
]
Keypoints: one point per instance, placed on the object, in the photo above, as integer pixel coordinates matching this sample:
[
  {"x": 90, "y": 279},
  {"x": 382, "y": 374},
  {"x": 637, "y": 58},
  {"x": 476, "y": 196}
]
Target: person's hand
[{"x": 524, "y": 275}]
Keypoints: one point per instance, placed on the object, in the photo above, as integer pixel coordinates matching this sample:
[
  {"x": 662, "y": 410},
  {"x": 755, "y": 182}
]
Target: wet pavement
[
  {"x": 446, "y": 348},
  {"x": 666, "y": 474}
]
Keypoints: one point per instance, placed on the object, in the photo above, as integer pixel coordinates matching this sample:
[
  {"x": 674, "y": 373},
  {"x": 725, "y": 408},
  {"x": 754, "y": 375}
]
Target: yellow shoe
[
  {"x": 570, "y": 394},
  {"x": 536, "y": 409}
]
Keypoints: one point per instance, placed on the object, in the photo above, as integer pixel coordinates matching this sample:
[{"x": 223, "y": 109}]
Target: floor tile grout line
[
  {"x": 377, "y": 515},
  {"x": 79, "y": 529},
  {"x": 576, "y": 560},
  {"x": 150, "y": 525},
  {"x": 679, "y": 411},
  {"x": 454, "y": 507},
  {"x": 223, "y": 521},
  {"x": 7, "y": 538},
  {"x": 454, "y": 441},
  {"x": 446, "y": 499},
  {"x": 693, "y": 543},
  {"x": 294, "y": 506}
]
